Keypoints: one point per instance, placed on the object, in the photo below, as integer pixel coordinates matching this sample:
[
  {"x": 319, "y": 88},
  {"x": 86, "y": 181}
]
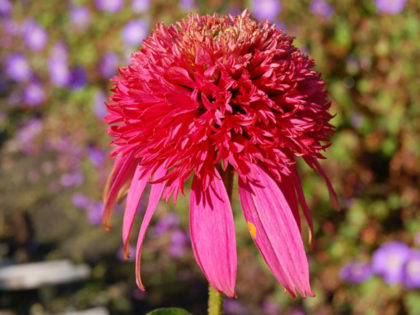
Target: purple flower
[
  {"x": 109, "y": 64},
  {"x": 80, "y": 17},
  {"x": 10, "y": 27},
  {"x": 71, "y": 179},
  {"x": 80, "y": 201},
  {"x": 96, "y": 156},
  {"x": 187, "y": 5},
  {"x": 34, "y": 35},
  {"x": 78, "y": 78},
  {"x": 266, "y": 9},
  {"x": 59, "y": 52},
  {"x": 134, "y": 32},
  {"x": 111, "y": 6},
  {"x": 140, "y": 6},
  {"x": 179, "y": 243},
  {"x": 390, "y": 6},
  {"x": 60, "y": 74},
  {"x": 6, "y": 8},
  {"x": 388, "y": 261},
  {"x": 235, "y": 307},
  {"x": 27, "y": 133},
  {"x": 33, "y": 94},
  {"x": 169, "y": 221},
  {"x": 411, "y": 270},
  {"x": 17, "y": 67},
  {"x": 269, "y": 307},
  {"x": 356, "y": 272},
  {"x": 94, "y": 213},
  {"x": 321, "y": 8},
  {"x": 99, "y": 107}
]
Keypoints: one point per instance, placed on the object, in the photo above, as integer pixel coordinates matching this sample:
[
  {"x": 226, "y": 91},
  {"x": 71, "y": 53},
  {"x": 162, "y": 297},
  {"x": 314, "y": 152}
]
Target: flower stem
[
  {"x": 216, "y": 298},
  {"x": 215, "y": 302}
]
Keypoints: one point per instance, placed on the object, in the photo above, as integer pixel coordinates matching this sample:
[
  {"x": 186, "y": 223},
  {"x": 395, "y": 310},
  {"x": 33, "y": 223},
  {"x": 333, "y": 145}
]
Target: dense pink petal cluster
[{"x": 218, "y": 94}]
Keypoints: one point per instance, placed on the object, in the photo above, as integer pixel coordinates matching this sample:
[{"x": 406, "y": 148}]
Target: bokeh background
[{"x": 56, "y": 58}]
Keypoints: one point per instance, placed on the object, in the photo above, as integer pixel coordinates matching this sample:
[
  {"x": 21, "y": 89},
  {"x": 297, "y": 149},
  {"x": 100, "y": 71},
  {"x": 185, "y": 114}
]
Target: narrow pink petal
[
  {"x": 301, "y": 197},
  {"x": 275, "y": 232},
  {"x": 333, "y": 196},
  {"x": 135, "y": 192},
  {"x": 213, "y": 234},
  {"x": 287, "y": 187},
  {"x": 154, "y": 197},
  {"x": 121, "y": 173}
]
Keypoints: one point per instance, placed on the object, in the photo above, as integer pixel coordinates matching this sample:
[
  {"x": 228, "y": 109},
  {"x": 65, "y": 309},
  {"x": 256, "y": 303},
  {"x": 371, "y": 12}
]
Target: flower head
[
  {"x": 388, "y": 261},
  {"x": 111, "y": 6},
  {"x": 207, "y": 98},
  {"x": 134, "y": 32}
]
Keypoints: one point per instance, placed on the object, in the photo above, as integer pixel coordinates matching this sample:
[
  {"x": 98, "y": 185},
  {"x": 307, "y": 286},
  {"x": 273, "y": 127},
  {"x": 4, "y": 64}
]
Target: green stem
[{"x": 215, "y": 302}]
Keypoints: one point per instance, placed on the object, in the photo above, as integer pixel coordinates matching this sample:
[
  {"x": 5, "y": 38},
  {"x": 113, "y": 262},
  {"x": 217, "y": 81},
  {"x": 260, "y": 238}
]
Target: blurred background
[{"x": 56, "y": 59}]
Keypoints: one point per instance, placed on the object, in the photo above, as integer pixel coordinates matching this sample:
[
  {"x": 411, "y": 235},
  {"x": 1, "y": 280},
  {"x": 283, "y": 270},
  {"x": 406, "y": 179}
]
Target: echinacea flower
[{"x": 208, "y": 98}]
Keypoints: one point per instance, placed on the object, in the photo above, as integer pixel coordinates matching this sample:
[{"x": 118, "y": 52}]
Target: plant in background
[{"x": 208, "y": 98}]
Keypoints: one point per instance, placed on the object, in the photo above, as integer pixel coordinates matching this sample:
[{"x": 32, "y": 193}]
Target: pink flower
[{"x": 207, "y": 98}]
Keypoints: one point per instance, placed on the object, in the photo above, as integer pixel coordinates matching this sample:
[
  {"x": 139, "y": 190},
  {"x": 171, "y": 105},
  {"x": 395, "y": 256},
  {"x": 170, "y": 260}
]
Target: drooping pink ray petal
[
  {"x": 122, "y": 171},
  {"x": 135, "y": 192},
  {"x": 154, "y": 197},
  {"x": 301, "y": 197},
  {"x": 333, "y": 196},
  {"x": 213, "y": 234},
  {"x": 286, "y": 186},
  {"x": 275, "y": 232}
]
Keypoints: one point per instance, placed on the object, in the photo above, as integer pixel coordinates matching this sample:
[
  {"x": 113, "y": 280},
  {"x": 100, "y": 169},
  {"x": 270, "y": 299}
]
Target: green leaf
[{"x": 169, "y": 311}]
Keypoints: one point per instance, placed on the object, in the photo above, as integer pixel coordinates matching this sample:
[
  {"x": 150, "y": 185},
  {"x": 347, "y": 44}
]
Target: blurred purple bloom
[
  {"x": 356, "y": 272},
  {"x": 187, "y": 5},
  {"x": 78, "y": 78},
  {"x": 388, "y": 261},
  {"x": 140, "y": 6},
  {"x": 266, "y": 9},
  {"x": 33, "y": 94},
  {"x": 80, "y": 17},
  {"x": 179, "y": 243},
  {"x": 99, "y": 107},
  {"x": 169, "y": 221},
  {"x": 71, "y": 179},
  {"x": 235, "y": 307},
  {"x": 297, "y": 311},
  {"x": 10, "y": 27},
  {"x": 80, "y": 200},
  {"x": 60, "y": 74},
  {"x": 33, "y": 176},
  {"x": 96, "y": 156},
  {"x": 17, "y": 67},
  {"x": 34, "y": 35},
  {"x": 390, "y": 6},
  {"x": 27, "y": 133},
  {"x": 110, "y": 6},
  {"x": 270, "y": 307},
  {"x": 321, "y": 8},
  {"x": 109, "y": 64},
  {"x": 94, "y": 213},
  {"x": 411, "y": 270},
  {"x": 6, "y": 8},
  {"x": 134, "y": 32},
  {"x": 59, "y": 52}
]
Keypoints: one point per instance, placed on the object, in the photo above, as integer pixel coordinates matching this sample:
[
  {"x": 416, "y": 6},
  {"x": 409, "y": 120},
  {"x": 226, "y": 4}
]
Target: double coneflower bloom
[{"x": 208, "y": 98}]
